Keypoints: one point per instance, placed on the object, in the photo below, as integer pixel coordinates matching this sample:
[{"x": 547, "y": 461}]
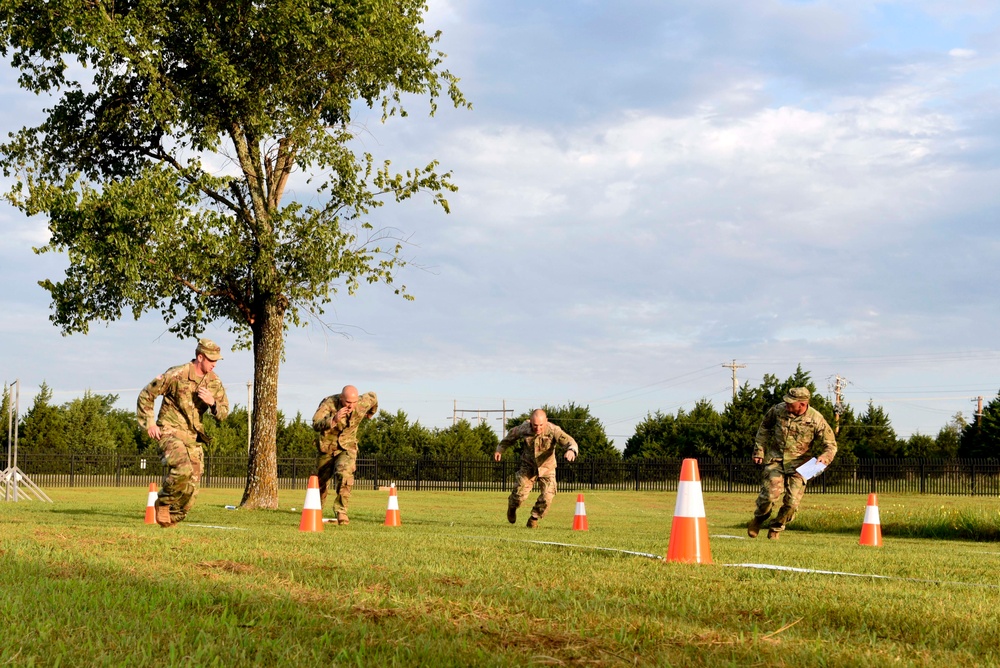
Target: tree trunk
[{"x": 262, "y": 468}]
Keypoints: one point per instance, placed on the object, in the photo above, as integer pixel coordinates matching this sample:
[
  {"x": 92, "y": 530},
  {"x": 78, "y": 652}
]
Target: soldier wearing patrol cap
[
  {"x": 783, "y": 441},
  {"x": 188, "y": 391}
]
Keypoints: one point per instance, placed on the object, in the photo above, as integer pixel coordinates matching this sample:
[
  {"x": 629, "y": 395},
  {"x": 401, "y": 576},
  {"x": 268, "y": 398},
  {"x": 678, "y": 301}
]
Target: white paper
[{"x": 811, "y": 468}]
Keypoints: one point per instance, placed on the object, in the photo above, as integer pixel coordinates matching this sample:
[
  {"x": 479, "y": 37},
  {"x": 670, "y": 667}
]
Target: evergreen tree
[
  {"x": 297, "y": 438},
  {"x": 654, "y": 438},
  {"x": 43, "y": 428},
  {"x": 981, "y": 439},
  {"x": 876, "y": 437}
]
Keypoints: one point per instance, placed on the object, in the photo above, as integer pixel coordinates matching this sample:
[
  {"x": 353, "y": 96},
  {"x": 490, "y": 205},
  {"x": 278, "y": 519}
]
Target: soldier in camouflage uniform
[
  {"x": 188, "y": 391},
  {"x": 783, "y": 441},
  {"x": 538, "y": 462},
  {"x": 337, "y": 420}
]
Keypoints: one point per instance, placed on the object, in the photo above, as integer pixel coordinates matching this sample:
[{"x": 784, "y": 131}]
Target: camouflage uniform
[
  {"x": 181, "y": 430},
  {"x": 783, "y": 442},
  {"x": 538, "y": 462},
  {"x": 338, "y": 446}
]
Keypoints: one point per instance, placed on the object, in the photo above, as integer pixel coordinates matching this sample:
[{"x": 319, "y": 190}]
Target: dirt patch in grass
[{"x": 227, "y": 566}]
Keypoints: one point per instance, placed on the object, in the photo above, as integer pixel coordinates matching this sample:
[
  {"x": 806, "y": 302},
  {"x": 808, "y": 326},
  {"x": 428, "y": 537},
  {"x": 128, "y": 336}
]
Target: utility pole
[
  {"x": 979, "y": 410},
  {"x": 457, "y": 413},
  {"x": 734, "y": 366},
  {"x": 838, "y": 405}
]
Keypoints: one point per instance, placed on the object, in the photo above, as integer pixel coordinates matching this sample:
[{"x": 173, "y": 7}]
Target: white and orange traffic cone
[
  {"x": 580, "y": 516},
  {"x": 392, "y": 511},
  {"x": 871, "y": 530},
  {"x": 312, "y": 509},
  {"x": 689, "y": 532},
  {"x": 151, "y": 504}
]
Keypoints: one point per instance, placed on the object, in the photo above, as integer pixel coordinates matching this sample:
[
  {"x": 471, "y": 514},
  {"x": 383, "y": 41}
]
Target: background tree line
[{"x": 91, "y": 424}]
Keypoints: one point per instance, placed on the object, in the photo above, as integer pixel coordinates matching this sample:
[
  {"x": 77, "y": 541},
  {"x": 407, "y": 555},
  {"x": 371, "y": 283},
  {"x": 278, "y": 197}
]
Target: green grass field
[{"x": 86, "y": 582}]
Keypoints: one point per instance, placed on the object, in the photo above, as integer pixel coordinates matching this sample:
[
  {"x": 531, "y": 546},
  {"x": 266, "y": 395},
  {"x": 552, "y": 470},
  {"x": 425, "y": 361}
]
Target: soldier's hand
[
  {"x": 758, "y": 460},
  {"x": 154, "y": 431},
  {"x": 497, "y": 456},
  {"x": 570, "y": 455},
  {"x": 342, "y": 413},
  {"x": 822, "y": 460},
  {"x": 206, "y": 396}
]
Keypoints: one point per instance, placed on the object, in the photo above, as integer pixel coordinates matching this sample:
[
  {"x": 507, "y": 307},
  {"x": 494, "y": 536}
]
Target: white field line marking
[
  {"x": 723, "y": 535},
  {"x": 771, "y": 567},
  {"x": 792, "y": 569},
  {"x": 212, "y": 526}
]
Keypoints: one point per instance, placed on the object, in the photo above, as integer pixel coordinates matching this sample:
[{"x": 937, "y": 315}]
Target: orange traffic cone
[
  {"x": 312, "y": 509},
  {"x": 871, "y": 530},
  {"x": 392, "y": 511},
  {"x": 689, "y": 532},
  {"x": 150, "y": 504},
  {"x": 580, "y": 517}
]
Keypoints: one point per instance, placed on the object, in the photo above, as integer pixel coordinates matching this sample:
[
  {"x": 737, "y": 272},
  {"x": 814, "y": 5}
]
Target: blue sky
[{"x": 648, "y": 190}]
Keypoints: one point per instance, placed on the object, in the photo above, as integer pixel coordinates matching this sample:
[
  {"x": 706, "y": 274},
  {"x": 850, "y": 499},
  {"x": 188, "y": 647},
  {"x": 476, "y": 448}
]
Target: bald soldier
[
  {"x": 785, "y": 436},
  {"x": 189, "y": 391},
  {"x": 538, "y": 462},
  {"x": 337, "y": 420}
]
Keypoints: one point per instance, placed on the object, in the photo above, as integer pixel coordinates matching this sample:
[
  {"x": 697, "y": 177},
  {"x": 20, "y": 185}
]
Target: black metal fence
[{"x": 923, "y": 476}]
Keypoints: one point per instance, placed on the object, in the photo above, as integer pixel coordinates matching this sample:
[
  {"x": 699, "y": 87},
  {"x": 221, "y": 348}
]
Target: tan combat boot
[
  {"x": 773, "y": 535},
  {"x": 532, "y": 522},
  {"x": 754, "y": 527},
  {"x": 342, "y": 518},
  {"x": 163, "y": 515},
  {"x": 511, "y": 514}
]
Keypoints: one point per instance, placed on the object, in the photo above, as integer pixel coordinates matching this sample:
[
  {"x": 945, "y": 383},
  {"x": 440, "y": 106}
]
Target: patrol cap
[
  {"x": 210, "y": 349},
  {"x": 797, "y": 394}
]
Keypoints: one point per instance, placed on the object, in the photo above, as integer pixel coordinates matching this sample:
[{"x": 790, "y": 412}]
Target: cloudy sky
[{"x": 648, "y": 190}]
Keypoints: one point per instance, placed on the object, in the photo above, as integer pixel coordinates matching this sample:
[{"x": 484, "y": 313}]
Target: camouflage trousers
[
  {"x": 777, "y": 484},
  {"x": 525, "y": 479},
  {"x": 185, "y": 461},
  {"x": 338, "y": 466}
]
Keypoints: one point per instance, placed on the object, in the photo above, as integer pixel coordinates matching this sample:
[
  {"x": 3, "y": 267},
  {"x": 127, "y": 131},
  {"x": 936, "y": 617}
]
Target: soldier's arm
[
  {"x": 510, "y": 439},
  {"x": 826, "y": 436},
  {"x": 370, "y": 400},
  {"x": 147, "y": 399},
  {"x": 763, "y": 434},
  {"x": 567, "y": 441},
  {"x": 322, "y": 419},
  {"x": 221, "y": 407}
]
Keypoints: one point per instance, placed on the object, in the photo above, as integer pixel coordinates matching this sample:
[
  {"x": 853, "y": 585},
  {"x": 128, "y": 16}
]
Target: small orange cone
[
  {"x": 871, "y": 530},
  {"x": 392, "y": 511},
  {"x": 312, "y": 509},
  {"x": 150, "y": 504},
  {"x": 580, "y": 517},
  {"x": 689, "y": 532}
]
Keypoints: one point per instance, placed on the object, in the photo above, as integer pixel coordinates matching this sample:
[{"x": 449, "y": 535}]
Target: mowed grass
[{"x": 86, "y": 582}]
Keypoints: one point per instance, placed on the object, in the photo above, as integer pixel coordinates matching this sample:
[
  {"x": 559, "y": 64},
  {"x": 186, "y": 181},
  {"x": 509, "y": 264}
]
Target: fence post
[
  {"x": 417, "y": 472},
  {"x": 72, "y": 467},
  {"x": 872, "y": 490},
  {"x": 461, "y": 475},
  {"x": 503, "y": 474},
  {"x": 923, "y": 473},
  {"x": 593, "y": 471},
  {"x": 636, "y": 473},
  {"x": 729, "y": 474},
  {"x": 972, "y": 477},
  {"x": 118, "y": 469}
]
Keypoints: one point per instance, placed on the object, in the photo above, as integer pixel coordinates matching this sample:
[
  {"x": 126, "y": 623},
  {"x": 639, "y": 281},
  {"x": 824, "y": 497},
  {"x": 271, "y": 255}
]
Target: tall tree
[
  {"x": 875, "y": 435},
  {"x": 125, "y": 163},
  {"x": 981, "y": 438}
]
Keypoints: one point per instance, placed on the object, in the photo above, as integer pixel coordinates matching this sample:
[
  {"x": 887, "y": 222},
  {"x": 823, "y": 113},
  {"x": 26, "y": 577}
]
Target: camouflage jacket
[
  {"x": 788, "y": 438},
  {"x": 182, "y": 408},
  {"x": 342, "y": 435},
  {"x": 539, "y": 451}
]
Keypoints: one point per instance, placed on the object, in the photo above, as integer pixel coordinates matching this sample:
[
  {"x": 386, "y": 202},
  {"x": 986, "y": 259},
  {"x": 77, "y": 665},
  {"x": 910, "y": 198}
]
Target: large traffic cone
[
  {"x": 580, "y": 517},
  {"x": 689, "y": 532},
  {"x": 312, "y": 509},
  {"x": 871, "y": 530},
  {"x": 151, "y": 504},
  {"x": 392, "y": 511}
]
